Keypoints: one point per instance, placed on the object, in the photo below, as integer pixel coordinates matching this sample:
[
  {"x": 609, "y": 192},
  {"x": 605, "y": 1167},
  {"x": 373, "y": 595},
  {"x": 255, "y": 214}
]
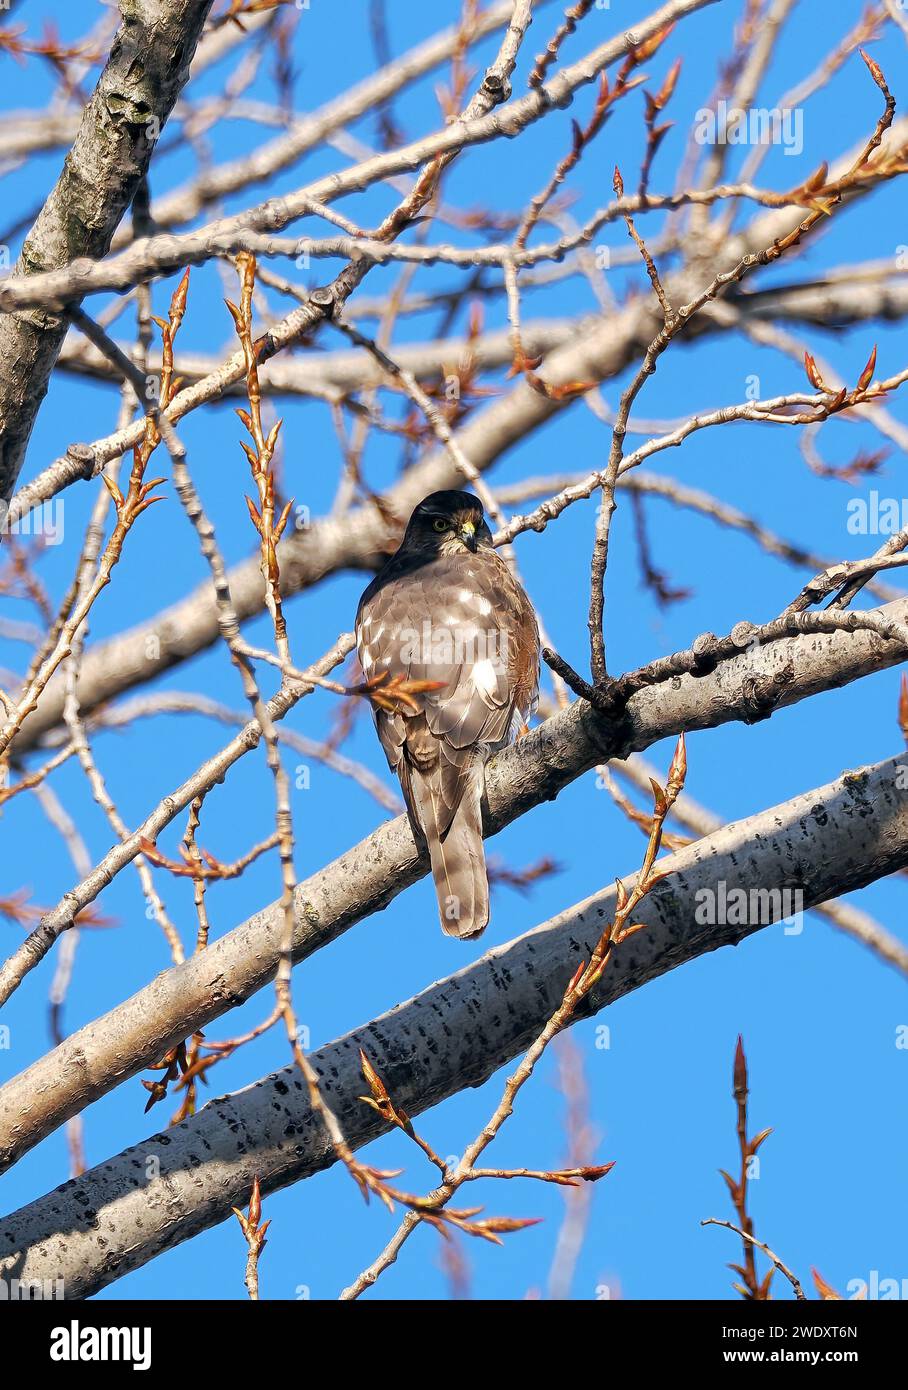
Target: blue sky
[{"x": 818, "y": 1013}]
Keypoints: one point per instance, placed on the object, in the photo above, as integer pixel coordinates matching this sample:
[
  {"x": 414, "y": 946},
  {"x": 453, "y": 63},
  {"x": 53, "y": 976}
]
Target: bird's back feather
[{"x": 485, "y": 693}]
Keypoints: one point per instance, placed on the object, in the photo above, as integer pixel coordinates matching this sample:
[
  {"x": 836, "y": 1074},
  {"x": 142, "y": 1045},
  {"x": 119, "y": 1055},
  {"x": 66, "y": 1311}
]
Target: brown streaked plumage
[{"x": 446, "y": 609}]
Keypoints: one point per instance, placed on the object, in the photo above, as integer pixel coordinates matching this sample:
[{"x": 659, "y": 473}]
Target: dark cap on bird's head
[{"x": 448, "y": 521}]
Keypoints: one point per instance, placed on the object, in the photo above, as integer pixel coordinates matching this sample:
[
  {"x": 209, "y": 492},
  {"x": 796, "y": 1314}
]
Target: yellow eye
[{"x": 440, "y": 524}]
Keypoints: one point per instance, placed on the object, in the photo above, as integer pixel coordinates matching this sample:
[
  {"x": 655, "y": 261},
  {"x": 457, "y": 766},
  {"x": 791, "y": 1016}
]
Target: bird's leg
[{"x": 395, "y": 694}]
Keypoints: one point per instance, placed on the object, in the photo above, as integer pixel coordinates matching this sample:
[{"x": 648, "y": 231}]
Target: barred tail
[{"x": 458, "y": 860}]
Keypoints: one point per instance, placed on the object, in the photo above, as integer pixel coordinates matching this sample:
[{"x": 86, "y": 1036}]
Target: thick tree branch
[
  {"x": 830, "y": 840},
  {"x": 147, "y": 68},
  {"x": 367, "y": 877}
]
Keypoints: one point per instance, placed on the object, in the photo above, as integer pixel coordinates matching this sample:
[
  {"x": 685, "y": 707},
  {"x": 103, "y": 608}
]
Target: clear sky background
[{"x": 818, "y": 1012}]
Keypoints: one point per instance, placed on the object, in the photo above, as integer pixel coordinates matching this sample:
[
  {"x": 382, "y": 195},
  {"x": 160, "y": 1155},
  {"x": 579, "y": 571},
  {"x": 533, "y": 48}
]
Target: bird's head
[{"x": 446, "y": 523}]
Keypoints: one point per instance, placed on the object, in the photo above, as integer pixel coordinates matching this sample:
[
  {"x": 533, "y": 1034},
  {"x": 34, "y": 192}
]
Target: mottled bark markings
[
  {"x": 365, "y": 878},
  {"x": 268, "y": 1128}
]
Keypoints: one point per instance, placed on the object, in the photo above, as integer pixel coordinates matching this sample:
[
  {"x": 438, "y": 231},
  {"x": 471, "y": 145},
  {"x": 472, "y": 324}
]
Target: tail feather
[{"x": 458, "y": 861}]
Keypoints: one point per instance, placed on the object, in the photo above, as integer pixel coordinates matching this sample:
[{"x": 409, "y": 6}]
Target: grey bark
[
  {"x": 454, "y": 1034},
  {"x": 367, "y": 877},
  {"x": 27, "y": 132},
  {"x": 145, "y": 72}
]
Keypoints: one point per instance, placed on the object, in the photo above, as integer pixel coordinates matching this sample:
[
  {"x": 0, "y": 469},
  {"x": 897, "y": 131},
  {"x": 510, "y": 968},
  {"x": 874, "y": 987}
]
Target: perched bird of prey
[{"x": 446, "y": 623}]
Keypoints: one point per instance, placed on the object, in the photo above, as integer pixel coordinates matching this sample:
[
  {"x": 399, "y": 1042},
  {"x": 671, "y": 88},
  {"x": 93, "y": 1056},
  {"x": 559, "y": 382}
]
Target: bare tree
[{"x": 84, "y": 267}]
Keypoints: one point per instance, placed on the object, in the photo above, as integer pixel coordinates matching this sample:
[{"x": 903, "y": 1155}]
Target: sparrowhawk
[{"x": 446, "y": 615}]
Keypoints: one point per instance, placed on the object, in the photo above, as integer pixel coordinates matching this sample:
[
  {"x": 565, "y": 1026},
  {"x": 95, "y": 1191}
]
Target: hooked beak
[{"x": 468, "y": 535}]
